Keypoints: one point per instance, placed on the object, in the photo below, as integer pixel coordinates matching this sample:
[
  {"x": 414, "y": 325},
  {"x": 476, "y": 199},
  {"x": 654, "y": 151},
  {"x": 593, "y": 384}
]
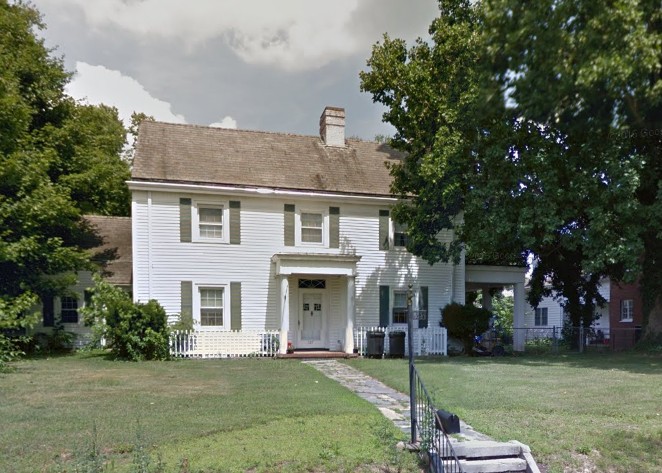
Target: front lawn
[
  {"x": 216, "y": 415},
  {"x": 578, "y": 413}
]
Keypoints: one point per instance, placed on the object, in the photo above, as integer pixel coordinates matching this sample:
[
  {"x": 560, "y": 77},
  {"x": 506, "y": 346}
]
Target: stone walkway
[{"x": 393, "y": 404}]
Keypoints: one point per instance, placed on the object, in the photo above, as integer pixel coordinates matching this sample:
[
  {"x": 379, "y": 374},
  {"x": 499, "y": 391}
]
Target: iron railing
[{"x": 428, "y": 427}]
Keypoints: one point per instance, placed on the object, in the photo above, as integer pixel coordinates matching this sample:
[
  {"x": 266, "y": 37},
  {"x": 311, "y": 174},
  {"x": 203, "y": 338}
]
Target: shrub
[
  {"x": 464, "y": 322},
  {"x": 133, "y": 331}
]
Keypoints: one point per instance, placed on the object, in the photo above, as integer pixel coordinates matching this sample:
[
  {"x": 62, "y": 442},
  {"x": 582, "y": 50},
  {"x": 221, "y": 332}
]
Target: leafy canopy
[
  {"x": 540, "y": 125},
  {"x": 59, "y": 159}
]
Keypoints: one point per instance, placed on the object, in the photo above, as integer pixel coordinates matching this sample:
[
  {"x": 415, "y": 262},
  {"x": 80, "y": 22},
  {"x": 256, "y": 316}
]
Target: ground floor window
[
  {"x": 69, "y": 310},
  {"x": 211, "y": 306},
  {"x": 541, "y": 317},
  {"x": 399, "y": 307},
  {"x": 627, "y": 310}
]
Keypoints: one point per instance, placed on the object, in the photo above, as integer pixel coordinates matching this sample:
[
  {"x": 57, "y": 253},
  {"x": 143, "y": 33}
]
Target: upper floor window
[
  {"x": 541, "y": 317},
  {"x": 312, "y": 225},
  {"x": 400, "y": 234},
  {"x": 69, "y": 310},
  {"x": 210, "y": 222},
  {"x": 627, "y": 310}
]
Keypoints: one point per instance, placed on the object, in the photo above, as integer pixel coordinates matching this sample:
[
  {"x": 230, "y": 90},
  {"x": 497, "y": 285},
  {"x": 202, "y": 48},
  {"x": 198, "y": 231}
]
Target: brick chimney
[{"x": 332, "y": 126}]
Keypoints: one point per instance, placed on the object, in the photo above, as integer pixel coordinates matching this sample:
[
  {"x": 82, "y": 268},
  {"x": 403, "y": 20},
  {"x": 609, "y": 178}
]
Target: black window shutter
[
  {"x": 383, "y": 229},
  {"x": 235, "y": 222},
  {"x": 288, "y": 235},
  {"x": 48, "y": 311},
  {"x": 235, "y": 306},
  {"x": 184, "y": 219},
  {"x": 186, "y": 311},
  {"x": 334, "y": 227},
  {"x": 423, "y": 305},
  {"x": 384, "y": 315}
]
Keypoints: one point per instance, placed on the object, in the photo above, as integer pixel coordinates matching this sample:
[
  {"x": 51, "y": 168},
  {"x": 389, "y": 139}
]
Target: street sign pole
[{"x": 410, "y": 342}]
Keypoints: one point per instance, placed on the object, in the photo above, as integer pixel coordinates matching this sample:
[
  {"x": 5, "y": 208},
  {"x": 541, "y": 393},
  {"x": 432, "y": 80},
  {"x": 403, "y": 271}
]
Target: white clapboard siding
[{"x": 161, "y": 261}]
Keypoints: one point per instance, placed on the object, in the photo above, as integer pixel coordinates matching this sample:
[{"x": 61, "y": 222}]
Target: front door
[{"x": 311, "y": 320}]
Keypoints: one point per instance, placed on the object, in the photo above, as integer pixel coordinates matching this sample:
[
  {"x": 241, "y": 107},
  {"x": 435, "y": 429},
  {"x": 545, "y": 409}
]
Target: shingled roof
[
  {"x": 115, "y": 233},
  {"x": 215, "y": 156}
]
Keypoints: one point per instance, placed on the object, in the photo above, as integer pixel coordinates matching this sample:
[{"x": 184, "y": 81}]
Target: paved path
[{"x": 393, "y": 404}]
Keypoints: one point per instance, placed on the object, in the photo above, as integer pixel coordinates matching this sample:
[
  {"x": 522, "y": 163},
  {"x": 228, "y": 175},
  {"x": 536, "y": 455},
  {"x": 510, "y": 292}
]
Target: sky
[{"x": 270, "y": 65}]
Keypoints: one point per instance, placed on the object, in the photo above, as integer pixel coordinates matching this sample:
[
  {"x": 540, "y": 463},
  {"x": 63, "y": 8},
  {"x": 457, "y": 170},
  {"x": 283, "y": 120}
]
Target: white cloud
[
  {"x": 97, "y": 84},
  {"x": 226, "y": 122},
  {"x": 290, "y": 34}
]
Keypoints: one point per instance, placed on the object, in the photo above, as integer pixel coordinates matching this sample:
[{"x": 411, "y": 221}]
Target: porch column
[
  {"x": 284, "y": 313},
  {"x": 487, "y": 297},
  {"x": 349, "y": 327},
  {"x": 519, "y": 335}
]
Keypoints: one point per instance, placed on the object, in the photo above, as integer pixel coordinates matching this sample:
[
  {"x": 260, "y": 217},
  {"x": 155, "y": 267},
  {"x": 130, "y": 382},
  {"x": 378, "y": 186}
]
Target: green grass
[
  {"x": 218, "y": 415},
  {"x": 595, "y": 413}
]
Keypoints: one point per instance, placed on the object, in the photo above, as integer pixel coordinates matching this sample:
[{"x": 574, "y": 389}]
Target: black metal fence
[
  {"x": 429, "y": 428},
  {"x": 577, "y": 339}
]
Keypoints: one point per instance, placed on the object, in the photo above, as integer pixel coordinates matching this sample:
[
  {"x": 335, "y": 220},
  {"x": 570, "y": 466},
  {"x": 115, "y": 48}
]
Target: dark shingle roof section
[
  {"x": 116, "y": 235},
  {"x": 203, "y": 155}
]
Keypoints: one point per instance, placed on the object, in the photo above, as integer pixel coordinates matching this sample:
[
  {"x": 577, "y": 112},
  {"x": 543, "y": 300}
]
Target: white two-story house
[{"x": 250, "y": 230}]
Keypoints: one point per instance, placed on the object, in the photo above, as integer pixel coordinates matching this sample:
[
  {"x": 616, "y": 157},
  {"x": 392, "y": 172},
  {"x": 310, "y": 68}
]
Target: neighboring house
[
  {"x": 115, "y": 233},
  {"x": 247, "y": 230},
  {"x": 550, "y": 313},
  {"x": 625, "y": 315}
]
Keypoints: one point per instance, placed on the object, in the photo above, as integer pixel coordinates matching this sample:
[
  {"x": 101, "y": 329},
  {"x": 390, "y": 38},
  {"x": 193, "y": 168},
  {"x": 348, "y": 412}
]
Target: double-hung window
[
  {"x": 541, "y": 317},
  {"x": 210, "y": 222},
  {"x": 399, "y": 307},
  {"x": 69, "y": 310},
  {"x": 312, "y": 226},
  {"x": 627, "y": 310},
  {"x": 400, "y": 234},
  {"x": 212, "y": 306}
]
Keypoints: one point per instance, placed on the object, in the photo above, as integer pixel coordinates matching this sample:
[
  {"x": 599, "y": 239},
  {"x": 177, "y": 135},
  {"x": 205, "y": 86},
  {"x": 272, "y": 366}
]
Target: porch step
[
  {"x": 488, "y": 456},
  {"x": 316, "y": 355},
  {"x": 496, "y": 465},
  {"x": 485, "y": 449}
]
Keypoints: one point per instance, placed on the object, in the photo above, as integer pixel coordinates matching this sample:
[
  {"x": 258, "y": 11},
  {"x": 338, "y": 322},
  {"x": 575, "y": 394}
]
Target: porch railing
[
  {"x": 224, "y": 343},
  {"x": 427, "y": 341},
  {"x": 431, "y": 436}
]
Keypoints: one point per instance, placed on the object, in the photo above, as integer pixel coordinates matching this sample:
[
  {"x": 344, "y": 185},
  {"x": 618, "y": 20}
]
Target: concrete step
[
  {"x": 485, "y": 449},
  {"x": 494, "y": 465}
]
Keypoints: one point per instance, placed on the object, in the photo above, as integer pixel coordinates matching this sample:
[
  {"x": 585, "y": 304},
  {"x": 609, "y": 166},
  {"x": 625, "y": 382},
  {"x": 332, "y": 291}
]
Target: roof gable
[{"x": 217, "y": 156}]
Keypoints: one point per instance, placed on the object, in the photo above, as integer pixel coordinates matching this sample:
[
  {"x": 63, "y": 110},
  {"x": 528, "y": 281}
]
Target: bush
[
  {"x": 133, "y": 331},
  {"x": 464, "y": 322}
]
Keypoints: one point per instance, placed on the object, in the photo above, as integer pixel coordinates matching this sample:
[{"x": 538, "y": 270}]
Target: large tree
[
  {"x": 537, "y": 122},
  {"x": 58, "y": 160}
]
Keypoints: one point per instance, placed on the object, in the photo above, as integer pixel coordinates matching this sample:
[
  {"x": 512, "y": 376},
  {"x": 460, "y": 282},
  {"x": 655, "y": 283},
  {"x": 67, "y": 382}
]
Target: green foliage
[
  {"x": 58, "y": 160},
  {"x": 541, "y": 126},
  {"x": 15, "y": 317},
  {"x": 133, "y": 331},
  {"x": 465, "y": 321},
  {"x": 503, "y": 310}
]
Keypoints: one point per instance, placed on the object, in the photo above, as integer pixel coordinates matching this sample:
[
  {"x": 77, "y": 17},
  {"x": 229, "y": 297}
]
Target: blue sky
[{"x": 267, "y": 65}]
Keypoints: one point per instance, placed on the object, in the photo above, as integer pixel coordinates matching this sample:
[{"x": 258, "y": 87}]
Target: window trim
[
  {"x": 196, "y": 205},
  {"x": 394, "y": 291},
  {"x": 61, "y": 301},
  {"x": 631, "y": 310},
  {"x": 197, "y": 305},
  {"x": 546, "y": 317},
  {"x": 324, "y": 211},
  {"x": 394, "y": 242}
]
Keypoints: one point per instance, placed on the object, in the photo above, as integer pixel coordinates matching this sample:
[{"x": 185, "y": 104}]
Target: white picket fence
[
  {"x": 224, "y": 343},
  {"x": 427, "y": 341}
]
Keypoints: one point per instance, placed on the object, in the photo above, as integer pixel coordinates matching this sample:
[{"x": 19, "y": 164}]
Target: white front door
[{"x": 311, "y": 320}]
